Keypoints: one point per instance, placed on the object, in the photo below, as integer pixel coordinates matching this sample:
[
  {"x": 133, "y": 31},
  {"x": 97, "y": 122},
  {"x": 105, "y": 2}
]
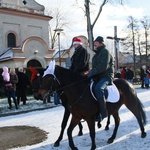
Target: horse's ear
[{"x": 34, "y": 73}]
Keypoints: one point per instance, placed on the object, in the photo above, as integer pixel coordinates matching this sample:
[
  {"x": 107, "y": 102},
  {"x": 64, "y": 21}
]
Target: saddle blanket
[{"x": 113, "y": 93}]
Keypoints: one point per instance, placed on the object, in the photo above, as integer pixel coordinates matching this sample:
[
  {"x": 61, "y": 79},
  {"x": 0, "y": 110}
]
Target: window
[{"x": 11, "y": 38}]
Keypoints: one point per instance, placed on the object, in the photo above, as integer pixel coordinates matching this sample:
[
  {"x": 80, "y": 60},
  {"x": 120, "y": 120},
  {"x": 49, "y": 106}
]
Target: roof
[
  {"x": 62, "y": 53},
  {"x": 6, "y": 55}
]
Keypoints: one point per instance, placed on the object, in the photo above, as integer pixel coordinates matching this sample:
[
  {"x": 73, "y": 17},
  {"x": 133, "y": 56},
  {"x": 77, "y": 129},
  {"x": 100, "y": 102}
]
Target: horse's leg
[
  {"x": 108, "y": 123},
  {"x": 91, "y": 125},
  {"x": 73, "y": 123},
  {"x": 140, "y": 116},
  {"x": 117, "y": 122},
  {"x": 80, "y": 129},
  {"x": 63, "y": 126}
]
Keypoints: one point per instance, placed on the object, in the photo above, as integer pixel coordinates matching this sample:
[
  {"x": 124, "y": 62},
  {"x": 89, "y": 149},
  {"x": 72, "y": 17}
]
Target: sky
[
  {"x": 111, "y": 16},
  {"x": 49, "y": 120}
]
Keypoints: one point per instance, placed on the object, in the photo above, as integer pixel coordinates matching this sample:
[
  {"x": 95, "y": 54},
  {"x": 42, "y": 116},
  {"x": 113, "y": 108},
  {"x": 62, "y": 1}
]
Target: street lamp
[
  {"x": 58, "y": 34},
  {"x": 35, "y": 52},
  {"x": 24, "y": 2}
]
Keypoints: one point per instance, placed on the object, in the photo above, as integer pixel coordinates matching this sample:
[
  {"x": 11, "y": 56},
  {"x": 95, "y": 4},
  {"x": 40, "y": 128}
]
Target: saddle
[{"x": 111, "y": 93}]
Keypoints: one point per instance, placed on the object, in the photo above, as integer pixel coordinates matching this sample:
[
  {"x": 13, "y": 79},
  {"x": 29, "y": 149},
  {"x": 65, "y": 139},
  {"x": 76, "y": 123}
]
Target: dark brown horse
[
  {"x": 82, "y": 104},
  {"x": 36, "y": 78}
]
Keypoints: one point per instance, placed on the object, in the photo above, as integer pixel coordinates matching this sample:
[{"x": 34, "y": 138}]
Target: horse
[
  {"x": 82, "y": 105},
  {"x": 36, "y": 78}
]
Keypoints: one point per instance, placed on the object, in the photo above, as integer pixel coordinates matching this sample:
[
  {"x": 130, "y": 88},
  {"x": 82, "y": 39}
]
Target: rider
[
  {"x": 102, "y": 72},
  {"x": 80, "y": 58}
]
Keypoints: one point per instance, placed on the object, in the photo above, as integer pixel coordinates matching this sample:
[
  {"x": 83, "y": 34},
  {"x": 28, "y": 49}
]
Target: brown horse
[
  {"x": 82, "y": 104},
  {"x": 36, "y": 78}
]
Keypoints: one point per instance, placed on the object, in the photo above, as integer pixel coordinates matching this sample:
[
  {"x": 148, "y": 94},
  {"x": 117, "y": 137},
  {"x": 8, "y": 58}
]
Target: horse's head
[
  {"x": 47, "y": 82},
  {"x": 47, "y": 87}
]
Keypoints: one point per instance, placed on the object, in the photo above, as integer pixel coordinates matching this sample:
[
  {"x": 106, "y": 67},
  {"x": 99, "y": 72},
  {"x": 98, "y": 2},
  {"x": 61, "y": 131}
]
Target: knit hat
[
  {"x": 99, "y": 39},
  {"x": 77, "y": 41},
  {"x": 20, "y": 69},
  {"x": 5, "y": 74}
]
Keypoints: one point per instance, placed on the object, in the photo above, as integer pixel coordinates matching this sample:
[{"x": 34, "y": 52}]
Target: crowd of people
[
  {"x": 128, "y": 74},
  {"x": 15, "y": 85}
]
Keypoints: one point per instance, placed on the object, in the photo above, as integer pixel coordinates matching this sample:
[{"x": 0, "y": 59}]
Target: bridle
[
  {"x": 38, "y": 78},
  {"x": 61, "y": 89}
]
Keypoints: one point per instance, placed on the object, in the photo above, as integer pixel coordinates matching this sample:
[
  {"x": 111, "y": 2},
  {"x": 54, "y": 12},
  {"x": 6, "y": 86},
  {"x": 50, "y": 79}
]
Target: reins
[{"x": 69, "y": 85}]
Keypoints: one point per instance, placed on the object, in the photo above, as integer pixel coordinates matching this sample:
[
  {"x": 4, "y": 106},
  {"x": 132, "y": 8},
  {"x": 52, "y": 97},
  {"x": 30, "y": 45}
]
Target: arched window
[{"x": 11, "y": 38}]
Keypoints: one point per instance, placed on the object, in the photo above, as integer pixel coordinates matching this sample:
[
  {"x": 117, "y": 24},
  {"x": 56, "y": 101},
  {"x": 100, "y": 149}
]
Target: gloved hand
[{"x": 90, "y": 74}]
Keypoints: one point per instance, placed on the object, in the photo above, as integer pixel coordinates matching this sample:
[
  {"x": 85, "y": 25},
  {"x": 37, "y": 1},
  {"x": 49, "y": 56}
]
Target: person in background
[
  {"x": 102, "y": 73},
  {"x": 123, "y": 72},
  {"x": 143, "y": 75},
  {"x": 23, "y": 81},
  {"x": 118, "y": 73},
  {"x": 130, "y": 75},
  {"x": 10, "y": 80},
  {"x": 148, "y": 72},
  {"x": 146, "y": 78}
]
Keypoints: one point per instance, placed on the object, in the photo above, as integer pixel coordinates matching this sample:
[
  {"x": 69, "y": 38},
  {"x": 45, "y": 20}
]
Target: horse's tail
[
  {"x": 129, "y": 94},
  {"x": 141, "y": 111}
]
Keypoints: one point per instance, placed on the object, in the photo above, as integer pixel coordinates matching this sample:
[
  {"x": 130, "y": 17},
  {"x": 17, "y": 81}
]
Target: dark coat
[
  {"x": 11, "y": 85},
  {"x": 102, "y": 63},
  {"x": 129, "y": 74},
  {"x": 80, "y": 60},
  {"x": 23, "y": 80},
  {"x": 142, "y": 74}
]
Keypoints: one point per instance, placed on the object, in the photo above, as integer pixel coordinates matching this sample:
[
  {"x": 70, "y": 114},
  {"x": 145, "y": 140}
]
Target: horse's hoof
[
  {"x": 143, "y": 135},
  {"x": 56, "y": 144},
  {"x": 99, "y": 125},
  {"x": 75, "y": 148},
  {"x": 80, "y": 134},
  {"x": 106, "y": 128},
  {"x": 110, "y": 141}
]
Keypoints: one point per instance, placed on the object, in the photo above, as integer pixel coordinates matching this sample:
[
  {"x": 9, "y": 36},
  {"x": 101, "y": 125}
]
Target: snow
[{"x": 49, "y": 120}]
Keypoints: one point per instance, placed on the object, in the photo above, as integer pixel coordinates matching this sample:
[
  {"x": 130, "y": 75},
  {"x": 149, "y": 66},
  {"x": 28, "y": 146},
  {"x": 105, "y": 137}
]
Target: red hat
[{"x": 77, "y": 41}]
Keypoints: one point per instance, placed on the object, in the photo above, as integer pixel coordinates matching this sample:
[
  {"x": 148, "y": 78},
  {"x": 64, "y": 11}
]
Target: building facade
[{"x": 24, "y": 34}]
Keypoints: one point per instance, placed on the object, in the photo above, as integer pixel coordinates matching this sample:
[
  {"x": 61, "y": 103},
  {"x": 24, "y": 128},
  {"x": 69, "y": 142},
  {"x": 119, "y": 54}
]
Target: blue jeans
[
  {"x": 11, "y": 94},
  {"x": 99, "y": 90},
  {"x": 100, "y": 86},
  {"x": 56, "y": 99}
]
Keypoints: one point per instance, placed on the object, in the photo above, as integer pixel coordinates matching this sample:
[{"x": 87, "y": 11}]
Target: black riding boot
[{"x": 102, "y": 110}]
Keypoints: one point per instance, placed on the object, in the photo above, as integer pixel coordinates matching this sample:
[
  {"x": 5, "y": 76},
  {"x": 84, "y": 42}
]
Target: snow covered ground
[{"x": 49, "y": 120}]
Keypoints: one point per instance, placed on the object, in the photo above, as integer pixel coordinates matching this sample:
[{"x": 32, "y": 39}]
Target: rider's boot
[{"x": 102, "y": 110}]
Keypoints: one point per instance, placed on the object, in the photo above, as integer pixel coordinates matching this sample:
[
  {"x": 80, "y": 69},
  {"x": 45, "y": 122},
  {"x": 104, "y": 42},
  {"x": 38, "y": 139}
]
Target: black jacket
[
  {"x": 80, "y": 60},
  {"x": 23, "y": 80}
]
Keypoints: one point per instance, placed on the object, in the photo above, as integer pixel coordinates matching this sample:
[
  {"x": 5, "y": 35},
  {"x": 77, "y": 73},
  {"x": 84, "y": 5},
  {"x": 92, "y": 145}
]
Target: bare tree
[
  {"x": 139, "y": 47},
  {"x": 90, "y": 25},
  {"x": 59, "y": 21},
  {"x": 130, "y": 40},
  {"x": 146, "y": 25}
]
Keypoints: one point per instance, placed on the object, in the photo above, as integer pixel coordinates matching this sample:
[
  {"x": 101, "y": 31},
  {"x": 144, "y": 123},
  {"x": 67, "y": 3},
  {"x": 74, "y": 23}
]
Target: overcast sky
[{"x": 111, "y": 16}]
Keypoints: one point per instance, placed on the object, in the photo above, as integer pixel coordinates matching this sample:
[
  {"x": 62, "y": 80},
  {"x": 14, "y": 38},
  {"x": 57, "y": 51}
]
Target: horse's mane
[
  {"x": 70, "y": 73},
  {"x": 41, "y": 71}
]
